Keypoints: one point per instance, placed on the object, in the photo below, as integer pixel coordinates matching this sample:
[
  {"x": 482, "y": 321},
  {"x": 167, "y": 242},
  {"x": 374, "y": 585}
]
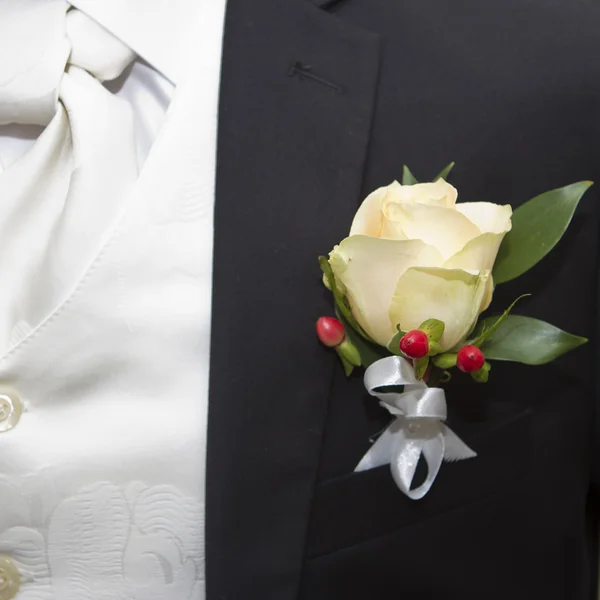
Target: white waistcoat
[{"x": 103, "y": 458}]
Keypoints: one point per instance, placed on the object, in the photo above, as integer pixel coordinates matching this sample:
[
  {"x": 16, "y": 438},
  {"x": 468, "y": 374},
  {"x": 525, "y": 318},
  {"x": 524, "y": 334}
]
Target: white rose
[{"x": 414, "y": 254}]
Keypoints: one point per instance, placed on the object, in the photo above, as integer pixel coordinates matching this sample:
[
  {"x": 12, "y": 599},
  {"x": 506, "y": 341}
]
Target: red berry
[
  {"x": 469, "y": 359},
  {"x": 415, "y": 344},
  {"x": 330, "y": 331}
]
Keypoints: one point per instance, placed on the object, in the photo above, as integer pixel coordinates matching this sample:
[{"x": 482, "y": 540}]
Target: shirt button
[
  {"x": 10, "y": 580},
  {"x": 10, "y": 412}
]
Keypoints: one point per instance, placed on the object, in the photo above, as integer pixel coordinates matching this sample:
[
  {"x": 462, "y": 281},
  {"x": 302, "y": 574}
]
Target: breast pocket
[{"x": 358, "y": 507}]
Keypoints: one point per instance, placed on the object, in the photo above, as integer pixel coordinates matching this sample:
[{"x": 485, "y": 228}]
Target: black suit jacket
[{"x": 319, "y": 106}]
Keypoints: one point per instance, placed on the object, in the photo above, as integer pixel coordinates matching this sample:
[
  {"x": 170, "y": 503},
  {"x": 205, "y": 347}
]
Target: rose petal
[
  {"x": 369, "y": 218},
  {"x": 488, "y": 217},
  {"x": 443, "y": 228},
  {"x": 369, "y": 268},
  {"x": 390, "y": 229},
  {"x": 488, "y": 295},
  {"x": 479, "y": 254},
  {"x": 452, "y": 296},
  {"x": 440, "y": 193}
]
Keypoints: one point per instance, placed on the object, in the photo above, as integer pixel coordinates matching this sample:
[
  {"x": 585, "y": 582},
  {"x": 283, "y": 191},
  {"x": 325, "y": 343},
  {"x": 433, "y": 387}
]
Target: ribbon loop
[
  {"x": 417, "y": 431},
  {"x": 420, "y": 403}
]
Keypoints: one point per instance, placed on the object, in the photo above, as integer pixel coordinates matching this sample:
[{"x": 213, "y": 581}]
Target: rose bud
[
  {"x": 369, "y": 269},
  {"x": 470, "y": 359},
  {"x": 330, "y": 332},
  {"x": 415, "y": 344}
]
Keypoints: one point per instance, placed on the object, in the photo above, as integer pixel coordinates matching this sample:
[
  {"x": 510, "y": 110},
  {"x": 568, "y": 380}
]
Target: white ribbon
[{"x": 418, "y": 428}]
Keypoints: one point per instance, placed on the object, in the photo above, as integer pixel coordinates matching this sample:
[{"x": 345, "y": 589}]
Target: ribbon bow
[{"x": 418, "y": 428}]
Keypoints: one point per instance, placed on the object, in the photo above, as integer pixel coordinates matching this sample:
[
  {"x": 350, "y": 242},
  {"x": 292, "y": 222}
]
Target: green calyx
[
  {"x": 433, "y": 328},
  {"x": 483, "y": 374},
  {"x": 420, "y": 366},
  {"x": 447, "y": 360},
  {"x": 350, "y": 352}
]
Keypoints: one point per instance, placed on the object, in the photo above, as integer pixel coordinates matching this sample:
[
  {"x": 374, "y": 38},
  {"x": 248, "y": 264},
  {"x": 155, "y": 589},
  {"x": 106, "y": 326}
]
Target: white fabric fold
[
  {"x": 156, "y": 30},
  {"x": 34, "y": 50},
  {"x": 94, "y": 49}
]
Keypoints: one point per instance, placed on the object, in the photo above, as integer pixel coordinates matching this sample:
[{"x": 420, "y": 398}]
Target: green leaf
[
  {"x": 434, "y": 328},
  {"x": 490, "y": 325},
  {"x": 537, "y": 226},
  {"x": 394, "y": 345},
  {"x": 407, "y": 177},
  {"x": 369, "y": 353},
  {"x": 420, "y": 366},
  {"x": 443, "y": 174},
  {"x": 529, "y": 341},
  {"x": 340, "y": 301}
]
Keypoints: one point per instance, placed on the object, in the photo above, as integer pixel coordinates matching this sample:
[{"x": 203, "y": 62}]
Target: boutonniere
[{"x": 410, "y": 284}]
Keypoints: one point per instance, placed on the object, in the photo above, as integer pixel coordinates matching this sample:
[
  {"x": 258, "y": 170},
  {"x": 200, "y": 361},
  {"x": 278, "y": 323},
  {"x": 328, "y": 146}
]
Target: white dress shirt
[{"x": 106, "y": 218}]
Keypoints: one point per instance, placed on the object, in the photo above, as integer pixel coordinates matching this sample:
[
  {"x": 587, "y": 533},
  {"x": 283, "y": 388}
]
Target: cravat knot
[{"x": 39, "y": 41}]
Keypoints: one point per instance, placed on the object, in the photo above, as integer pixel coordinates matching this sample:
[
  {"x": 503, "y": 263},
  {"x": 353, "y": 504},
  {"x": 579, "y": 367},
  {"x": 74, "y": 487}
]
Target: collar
[{"x": 154, "y": 29}]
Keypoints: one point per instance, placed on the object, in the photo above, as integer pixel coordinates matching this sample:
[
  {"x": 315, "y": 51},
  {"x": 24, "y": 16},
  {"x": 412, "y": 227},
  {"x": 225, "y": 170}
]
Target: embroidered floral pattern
[{"x": 105, "y": 543}]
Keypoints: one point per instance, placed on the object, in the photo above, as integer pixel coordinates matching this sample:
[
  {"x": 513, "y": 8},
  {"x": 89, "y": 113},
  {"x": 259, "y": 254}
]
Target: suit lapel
[{"x": 297, "y": 94}]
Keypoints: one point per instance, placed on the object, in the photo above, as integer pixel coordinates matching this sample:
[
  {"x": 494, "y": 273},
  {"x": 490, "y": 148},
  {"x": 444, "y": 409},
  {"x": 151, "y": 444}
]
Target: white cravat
[
  {"x": 106, "y": 267},
  {"x": 60, "y": 197}
]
